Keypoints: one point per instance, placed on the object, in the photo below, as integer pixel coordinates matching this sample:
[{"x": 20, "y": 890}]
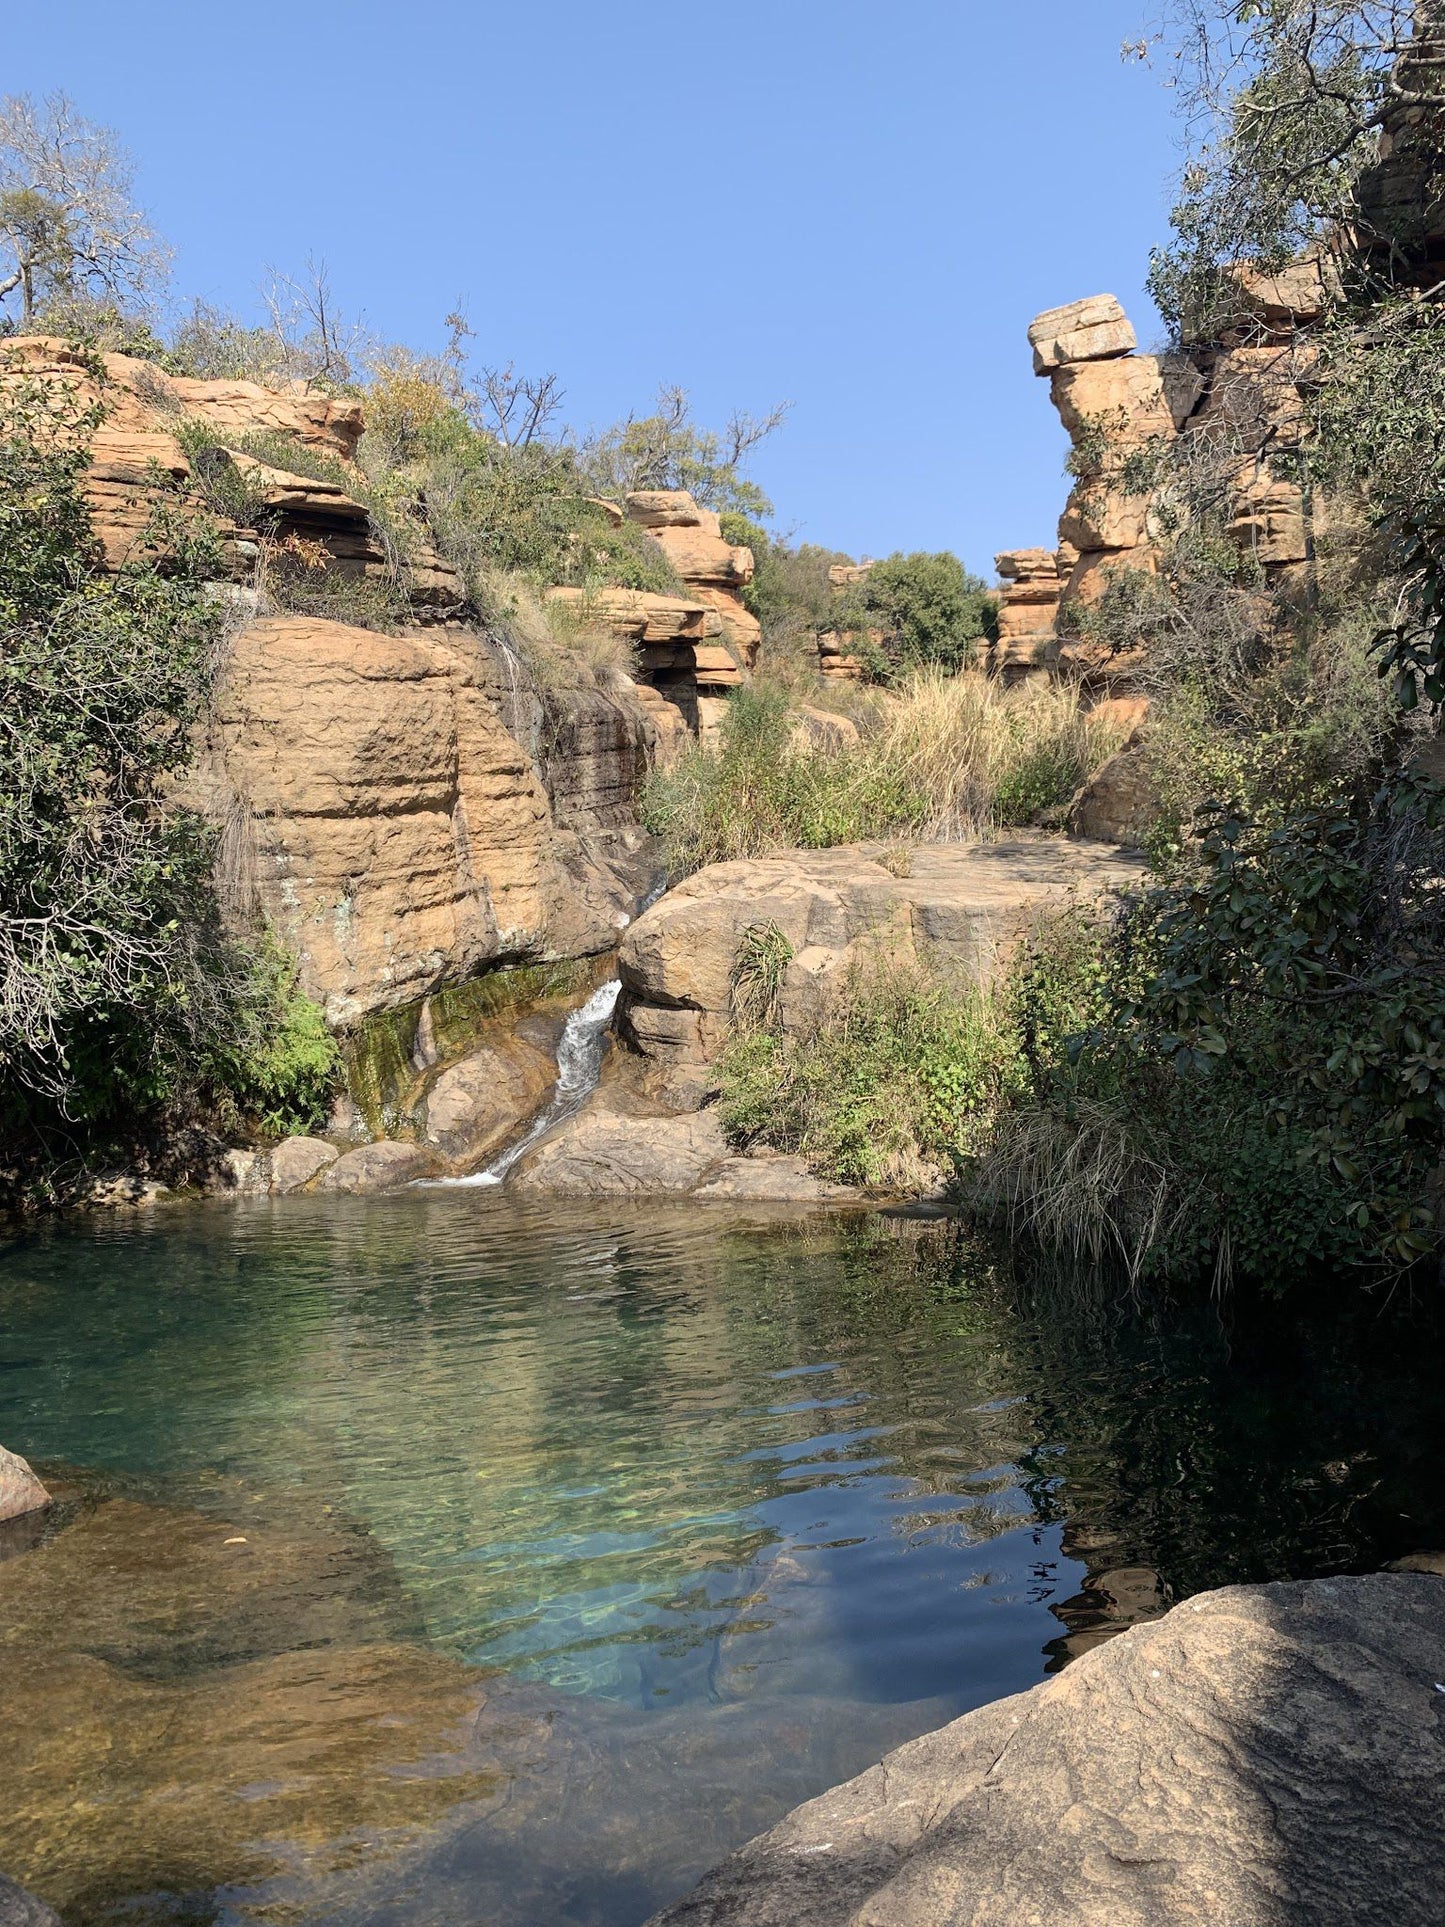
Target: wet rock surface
[
  {"x": 1260, "y": 1755},
  {"x": 384, "y": 1166}
]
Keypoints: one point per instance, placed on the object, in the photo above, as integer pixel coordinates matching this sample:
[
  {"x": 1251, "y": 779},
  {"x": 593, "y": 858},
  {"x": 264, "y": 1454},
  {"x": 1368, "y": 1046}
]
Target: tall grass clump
[
  {"x": 900, "y": 1079},
  {"x": 945, "y": 757}
]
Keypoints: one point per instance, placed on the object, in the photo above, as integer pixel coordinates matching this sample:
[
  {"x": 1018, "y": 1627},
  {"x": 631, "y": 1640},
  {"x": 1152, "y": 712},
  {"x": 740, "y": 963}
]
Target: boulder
[
  {"x": 383, "y": 1166},
  {"x": 21, "y": 1909},
  {"x": 20, "y": 1490},
  {"x": 1124, "y": 400},
  {"x": 671, "y": 508},
  {"x": 1094, "y": 329},
  {"x": 964, "y": 905},
  {"x": 476, "y": 1105},
  {"x": 822, "y": 729},
  {"x": 1294, "y": 296},
  {"x": 607, "y": 1151},
  {"x": 1119, "y": 803},
  {"x": 296, "y": 1161},
  {"x": 1258, "y": 1755}
]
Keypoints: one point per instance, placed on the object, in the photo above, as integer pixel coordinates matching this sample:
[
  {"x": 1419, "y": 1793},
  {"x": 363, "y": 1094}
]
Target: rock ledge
[{"x": 1260, "y": 1755}]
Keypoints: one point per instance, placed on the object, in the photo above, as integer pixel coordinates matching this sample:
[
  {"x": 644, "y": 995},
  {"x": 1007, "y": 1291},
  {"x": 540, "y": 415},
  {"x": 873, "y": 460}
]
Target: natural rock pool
[{"x": 448, "y": 1558}]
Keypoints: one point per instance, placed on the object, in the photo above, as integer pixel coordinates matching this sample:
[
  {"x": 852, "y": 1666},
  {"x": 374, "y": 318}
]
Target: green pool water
[{"x": 454, "y": 1559}]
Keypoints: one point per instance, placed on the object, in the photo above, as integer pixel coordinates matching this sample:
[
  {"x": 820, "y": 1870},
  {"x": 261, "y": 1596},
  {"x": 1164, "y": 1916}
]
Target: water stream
[{"x": 579, "y": 1064}]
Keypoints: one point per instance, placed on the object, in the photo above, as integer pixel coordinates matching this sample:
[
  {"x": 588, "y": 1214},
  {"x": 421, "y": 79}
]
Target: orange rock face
[{"x": 400, "y": 835}]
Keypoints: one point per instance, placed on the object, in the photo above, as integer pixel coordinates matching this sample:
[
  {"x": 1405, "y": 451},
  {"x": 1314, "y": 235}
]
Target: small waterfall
[{"x": 579, "y": 1065}]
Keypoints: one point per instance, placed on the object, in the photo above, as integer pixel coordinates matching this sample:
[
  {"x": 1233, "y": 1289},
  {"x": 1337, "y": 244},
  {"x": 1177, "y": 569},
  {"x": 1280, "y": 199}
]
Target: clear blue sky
[{"x": 853, "y": 206}]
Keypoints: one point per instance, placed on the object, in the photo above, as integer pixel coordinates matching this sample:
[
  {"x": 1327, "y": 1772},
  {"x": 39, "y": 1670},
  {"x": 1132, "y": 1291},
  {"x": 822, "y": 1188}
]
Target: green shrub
[
  {"x": 126, "y": 1005},
  {"x": 1263, "y": 1092},
  {"x": 281, "y": 1078},
  {"x": 899, "y": 1082}
]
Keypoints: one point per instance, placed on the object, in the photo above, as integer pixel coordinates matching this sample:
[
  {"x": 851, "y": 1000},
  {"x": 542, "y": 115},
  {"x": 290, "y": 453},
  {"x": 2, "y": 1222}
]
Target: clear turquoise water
[{"x": 721, "y": 1508}]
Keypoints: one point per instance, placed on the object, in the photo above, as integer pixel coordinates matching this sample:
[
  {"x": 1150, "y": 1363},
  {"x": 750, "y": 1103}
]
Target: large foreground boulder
[
  {"x": 1260, "y": 1756},
  {"x": 962, "y": 906}
]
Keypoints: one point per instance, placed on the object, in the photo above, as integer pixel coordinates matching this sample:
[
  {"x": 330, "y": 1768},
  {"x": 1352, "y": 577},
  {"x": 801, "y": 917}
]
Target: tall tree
[{"x": 68, "y": 223}]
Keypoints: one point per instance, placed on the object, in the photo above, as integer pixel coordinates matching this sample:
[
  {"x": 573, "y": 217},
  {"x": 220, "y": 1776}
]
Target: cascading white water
[{"x": 579, "y": 1064}]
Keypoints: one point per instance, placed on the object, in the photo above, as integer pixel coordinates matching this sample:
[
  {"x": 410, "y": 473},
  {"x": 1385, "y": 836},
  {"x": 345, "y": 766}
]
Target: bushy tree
[
  {"x": 667, "y": 449},
  {"x": 1315, "y": 123},
  {"x": 924, "y": 608}
]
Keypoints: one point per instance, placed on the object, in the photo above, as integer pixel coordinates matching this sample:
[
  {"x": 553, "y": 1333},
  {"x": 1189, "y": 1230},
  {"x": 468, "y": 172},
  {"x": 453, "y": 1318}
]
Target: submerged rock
[
  {"x": 20, "y": 1909},
  {"x": 20, "y": 1490},
  {"x": 1260, "y": 1754}
]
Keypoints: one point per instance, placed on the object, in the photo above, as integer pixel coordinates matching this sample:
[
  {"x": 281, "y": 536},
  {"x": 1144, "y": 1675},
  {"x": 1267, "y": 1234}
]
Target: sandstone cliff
[
  {"x": 1238, "y": 409},
  {"x": 406, "y": 809}
]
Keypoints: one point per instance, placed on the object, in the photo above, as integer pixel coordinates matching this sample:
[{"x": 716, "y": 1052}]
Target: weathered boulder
[
  {"x": 1260, "y": 1755},
  {"x": 385, "y": 1165},
  {"x": 608, "y": 1150},
  {"x": 20, "y": 1490},
  {"x": 963, "y": 904},
  {"x": 1093, "y": 329},
  {"x": 602, "y": 1152},
  {"x": 1120, "y": 803},
  {"x": 478, "y": 1103},
  {"x": 296, "y": 1161}
]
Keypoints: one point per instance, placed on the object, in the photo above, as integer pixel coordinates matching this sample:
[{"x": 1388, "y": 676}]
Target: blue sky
[{"x": 854, "y": 207}]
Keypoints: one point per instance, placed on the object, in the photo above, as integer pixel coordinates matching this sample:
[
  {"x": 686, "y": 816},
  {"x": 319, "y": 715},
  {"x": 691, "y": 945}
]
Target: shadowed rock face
[
  {"x": 20, "y": 1909},
  {"x": 1259, "y": 1756}
]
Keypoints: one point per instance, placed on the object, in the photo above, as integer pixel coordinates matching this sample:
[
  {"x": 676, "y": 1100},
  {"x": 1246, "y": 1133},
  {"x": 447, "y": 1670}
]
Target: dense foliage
[
  {"x": 121, "y": 994},
  {"x": 914, "y": 611},
  {"x": 900, "y": 1080}
]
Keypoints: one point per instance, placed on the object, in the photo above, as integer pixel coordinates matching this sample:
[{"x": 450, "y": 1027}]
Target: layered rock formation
[
  {"x": 1259, "y": 1755},
  {"x": 398, "y": 834},
  {"x": 696, "y": 648},
  {"x": 962, "y": 906},
  {"x": 1028, "y": 610},
  {"x": 1239, "y": 406}
]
